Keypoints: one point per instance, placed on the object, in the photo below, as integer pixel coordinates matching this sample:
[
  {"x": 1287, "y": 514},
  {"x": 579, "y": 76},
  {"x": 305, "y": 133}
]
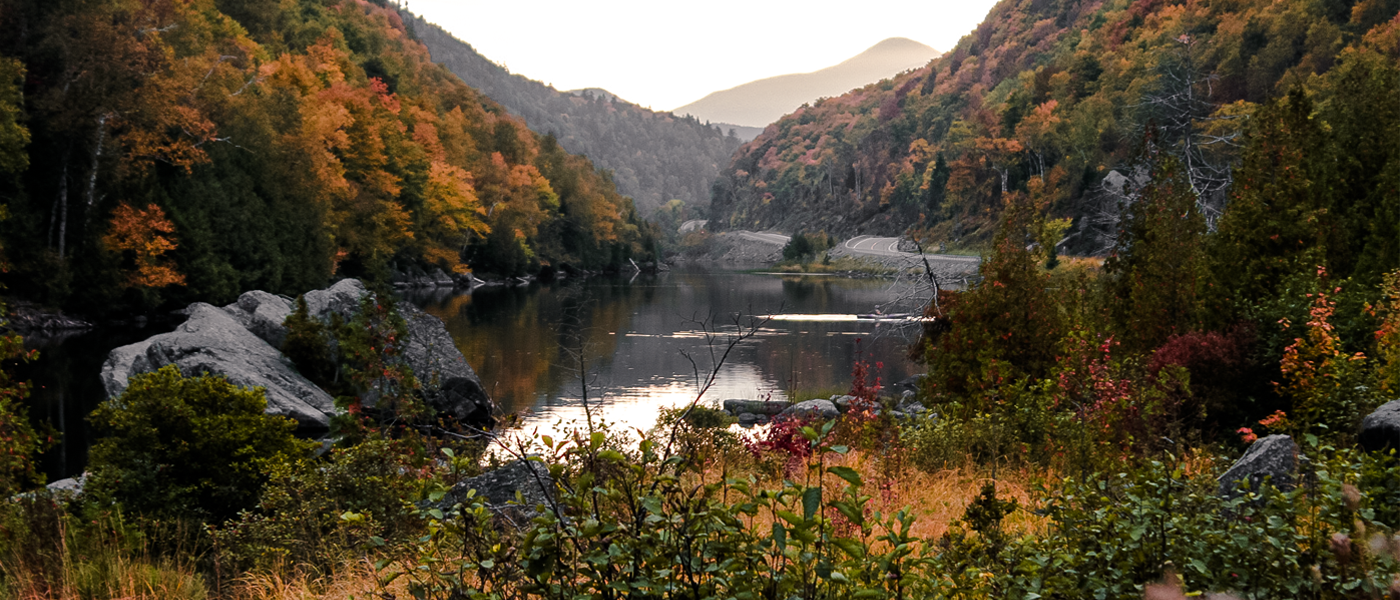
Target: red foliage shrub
[{"x": 1219, "y": 365}]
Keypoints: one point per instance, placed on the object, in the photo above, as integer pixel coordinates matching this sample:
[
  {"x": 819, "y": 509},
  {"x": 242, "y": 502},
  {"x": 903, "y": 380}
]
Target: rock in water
[
  {"x": 1381, "y": 429},
  {"x": 1274, "y": 457},
  {"x": 757, "y": 407},
  {"x": 463, "y": 399},
  {"x": 497, "y": 490},
  {"x": 818, "y": 409},
  {"x": 213, "y": 342},
  {"x": 430, "y": 351}
]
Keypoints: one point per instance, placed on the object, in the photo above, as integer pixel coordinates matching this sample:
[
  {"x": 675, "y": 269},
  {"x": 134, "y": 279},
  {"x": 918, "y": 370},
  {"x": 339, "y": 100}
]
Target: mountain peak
[{"x": 761, "y": 102}]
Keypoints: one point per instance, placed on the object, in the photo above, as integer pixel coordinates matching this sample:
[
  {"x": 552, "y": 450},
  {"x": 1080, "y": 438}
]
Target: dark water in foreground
[{"x": 524, "y": 343}]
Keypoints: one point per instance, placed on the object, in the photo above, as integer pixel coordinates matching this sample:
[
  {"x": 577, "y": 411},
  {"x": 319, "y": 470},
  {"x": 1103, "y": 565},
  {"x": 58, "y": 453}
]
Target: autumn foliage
[
  {"x": 146, "y": 235},
  {"x": 281, "y": 146}
]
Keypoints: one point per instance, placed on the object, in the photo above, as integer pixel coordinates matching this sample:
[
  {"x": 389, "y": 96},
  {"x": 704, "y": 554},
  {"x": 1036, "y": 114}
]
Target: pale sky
[{"x": 663, "y": 54}]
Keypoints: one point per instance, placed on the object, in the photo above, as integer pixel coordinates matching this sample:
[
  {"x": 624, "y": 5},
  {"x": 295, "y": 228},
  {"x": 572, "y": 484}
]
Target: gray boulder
[
  {"x": 430, "y": 351},
  {"x": 750, "y": 419},
  {"x": 213, "y": 342},
  {"x": 263, "y": 314},
  {"x": 71, "y": 487},
  {"x": 843, "y": 402},
  {"x": 463, "y": 400},
  {"x": 1273, "y": 457},
  {"x": 343, "y": 299},
  {"x": 812, "y": 409},
  {"x": 497, "y": 489},
  {"x": 910, "y": 384},
  {"x": 757, "y": 407},
  {"x": 1380, "y": 430}
]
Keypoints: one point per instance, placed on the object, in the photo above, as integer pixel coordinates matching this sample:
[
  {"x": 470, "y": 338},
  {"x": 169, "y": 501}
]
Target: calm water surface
[
  {"x": 526, "y": 342},
  {"x": 634, "y": 337}
]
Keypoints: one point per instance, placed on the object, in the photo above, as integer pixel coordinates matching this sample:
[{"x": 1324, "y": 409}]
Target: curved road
[
  {"x": 865, "y": 245},
  {"x": 889, "y": 246},
  {"x": 767, "y": 238}
]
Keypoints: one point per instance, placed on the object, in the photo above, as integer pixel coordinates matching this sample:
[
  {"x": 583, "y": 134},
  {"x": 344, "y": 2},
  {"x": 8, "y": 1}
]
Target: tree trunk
[
  {"x": 61, "y": 208},
  {"x": 90, "y": 196}
]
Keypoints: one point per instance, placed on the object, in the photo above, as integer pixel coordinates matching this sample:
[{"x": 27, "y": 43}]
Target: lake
[{"x": 632, "y": 336}]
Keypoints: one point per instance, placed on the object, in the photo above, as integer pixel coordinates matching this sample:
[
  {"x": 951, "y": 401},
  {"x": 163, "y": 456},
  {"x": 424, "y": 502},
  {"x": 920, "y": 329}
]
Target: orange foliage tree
[{"x": 146, "y": 234}]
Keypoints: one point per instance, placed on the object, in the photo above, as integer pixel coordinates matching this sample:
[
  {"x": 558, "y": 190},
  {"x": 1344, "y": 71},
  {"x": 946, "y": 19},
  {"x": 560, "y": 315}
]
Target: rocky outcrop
[
  {"x": 343, "y": 299},
  {"x": 211, "y": 341},
  {"x": 1273, "y": 458},
  {"x": 415, "y": 277},
  {"x": 240, "y": 342},
  {"x": 1380, "y": 430},
  {"x": 262, "y": 314},
  {"x": 757, "y": 407},
  {"x": 28, "y": 318},
  {"x": 497, "y": 490},
  {"x": 463, "y": 400},
  {"x": 430, "y": 351},
  {"x": 812, "y": 409}
]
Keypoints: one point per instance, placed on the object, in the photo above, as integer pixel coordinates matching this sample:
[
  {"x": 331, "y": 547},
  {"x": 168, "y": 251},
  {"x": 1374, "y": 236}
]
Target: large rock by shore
[
  {"x": 211, "y": 341},
  {"x": 240, "y": 341}
]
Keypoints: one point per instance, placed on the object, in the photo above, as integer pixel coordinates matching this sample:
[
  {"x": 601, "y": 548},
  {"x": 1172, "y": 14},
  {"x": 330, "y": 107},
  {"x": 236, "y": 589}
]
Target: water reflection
[{"x": 642, "y": 344}]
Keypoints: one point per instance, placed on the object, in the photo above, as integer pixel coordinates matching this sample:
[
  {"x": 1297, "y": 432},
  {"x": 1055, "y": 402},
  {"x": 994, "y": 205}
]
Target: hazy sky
[{"x": 667, "y": 54}]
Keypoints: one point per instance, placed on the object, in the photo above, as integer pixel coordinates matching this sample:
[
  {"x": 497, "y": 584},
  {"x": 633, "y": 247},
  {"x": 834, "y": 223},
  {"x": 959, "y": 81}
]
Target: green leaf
[
  {"x": 449, "y": 452},
  {"x": 840, "y": 449},
  {"x": 779, "y": 536},
  {"x": 548, "y": 441},
  {"x": 612, "y": 455},
  {"x": 811, "y": 501},
  {"x": 847, "y": 473},
  {"x": 596, "y": 440},
  {"x": 851, "y": 547}
]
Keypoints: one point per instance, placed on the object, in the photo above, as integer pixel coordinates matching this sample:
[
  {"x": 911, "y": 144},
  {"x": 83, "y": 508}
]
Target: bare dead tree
[{"x": 1190, "y": 127}]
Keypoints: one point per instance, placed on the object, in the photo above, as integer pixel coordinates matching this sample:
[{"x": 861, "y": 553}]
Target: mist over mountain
[
  {"x": 654, "y": 156},
  {"x": 758, "y": 103}
]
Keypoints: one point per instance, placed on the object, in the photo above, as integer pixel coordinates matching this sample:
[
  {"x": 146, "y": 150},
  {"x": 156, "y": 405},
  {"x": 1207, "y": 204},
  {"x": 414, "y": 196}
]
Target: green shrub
[
  {"x": 318, "y": 513},
  {"x": 309, "y": 346},
  {"x": 181, "y": 446}
]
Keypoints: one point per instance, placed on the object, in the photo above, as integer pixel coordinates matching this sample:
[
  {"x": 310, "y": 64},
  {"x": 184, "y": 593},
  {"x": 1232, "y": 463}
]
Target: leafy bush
[
  {"x": 308, "y": 345},
  {"x": 318, "y": 513},
  {"x": 181, "y": 446},
  {"x": 649, "y": 524}
]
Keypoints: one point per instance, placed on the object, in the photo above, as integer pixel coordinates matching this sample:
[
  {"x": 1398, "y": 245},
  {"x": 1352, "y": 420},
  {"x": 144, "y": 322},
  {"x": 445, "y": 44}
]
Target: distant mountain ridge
[
  {"x": 654, "y": 156},
  {"x": 758, "y": 103}
]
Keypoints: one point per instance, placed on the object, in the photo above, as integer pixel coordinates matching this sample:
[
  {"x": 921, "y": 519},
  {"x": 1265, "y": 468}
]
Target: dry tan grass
[
  {"x": 937, "y": 500},
  {"x": 112, "y": 577},
  {"x": 355, "y": 580}
]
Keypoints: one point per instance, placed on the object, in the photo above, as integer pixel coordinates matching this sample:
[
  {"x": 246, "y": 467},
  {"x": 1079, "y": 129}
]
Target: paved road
[
  {"x": 767, "y": 238},
  {"x": 889, "y": 246}
]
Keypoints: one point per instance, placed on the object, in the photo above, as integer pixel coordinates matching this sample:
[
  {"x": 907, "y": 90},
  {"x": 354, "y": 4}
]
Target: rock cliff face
[{"x": 240, "y": 342}]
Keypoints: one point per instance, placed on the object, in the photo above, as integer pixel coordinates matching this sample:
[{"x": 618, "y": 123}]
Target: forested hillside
[
  {"x": 167, "y": 151},
  {"x": 654, "y": 157},
  {"x": 1059, "y": 99}
]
